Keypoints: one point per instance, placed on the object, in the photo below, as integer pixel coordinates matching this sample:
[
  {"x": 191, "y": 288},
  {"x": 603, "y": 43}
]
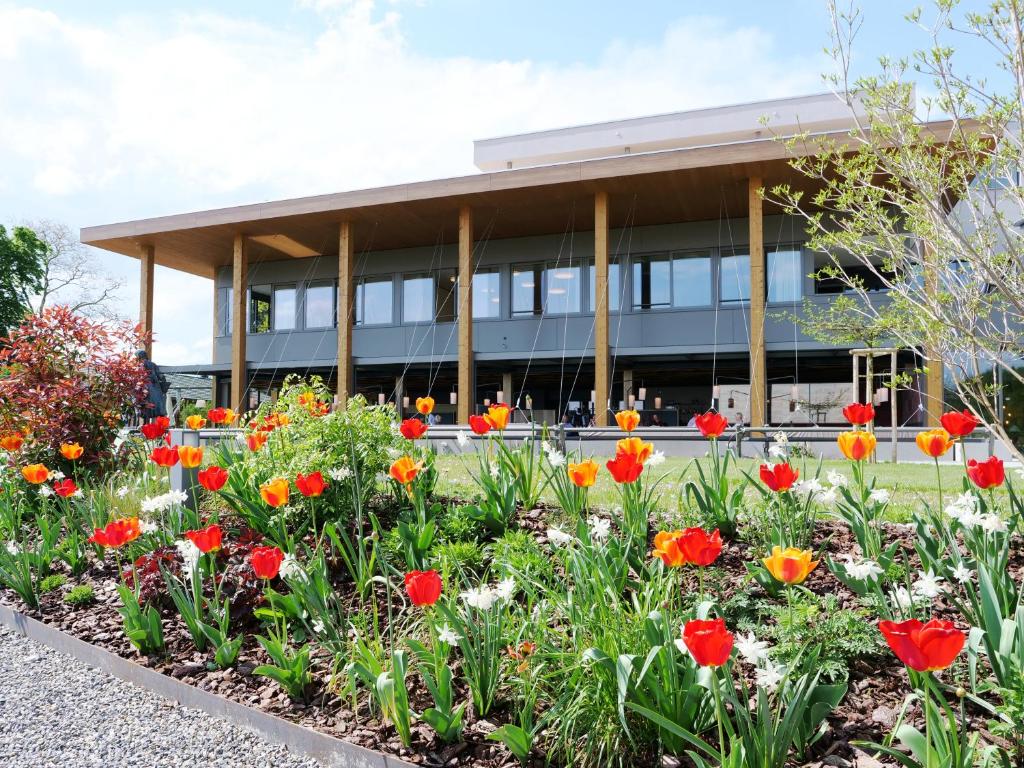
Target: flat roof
[{"x": 690, "y": 184}]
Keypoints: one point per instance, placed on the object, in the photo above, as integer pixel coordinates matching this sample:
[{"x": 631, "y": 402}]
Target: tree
[
  {"x": 932, "y": 214},
  {"x": 21, "y": 271},
  {"x": 72, "y": 276}
]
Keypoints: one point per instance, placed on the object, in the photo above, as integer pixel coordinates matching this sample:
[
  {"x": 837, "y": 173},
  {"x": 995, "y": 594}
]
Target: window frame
[
  {"x": 274, "y": 288},
  {"x": 358, "y": 304},
  {"x": 538, "y": 268},
  {"x": 333, "y": 285},
  {"x": 432, "y": 277}
]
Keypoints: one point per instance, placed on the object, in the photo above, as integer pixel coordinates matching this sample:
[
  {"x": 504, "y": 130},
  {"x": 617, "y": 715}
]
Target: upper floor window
[
  {"x": 527, "y": 283},
  {"x": 785, "y": 275},
  {"x": 284, "y": 307},
  {"x": 614, "y": 288},
  {"x": 374, "y": 299},
  {"x": 225, "y": 311},
  {"x": 564, "y": 290},
  {"x": 652, "y": 282},
  {"x": 320, "y": 305},
  {"x": 259, "y": 308},
  {"x": 417, "y": 299},
  {"x": 734, "y": 278},
  {"x": 691, "y": 280},
  {"x": 832, "y": 278},
  {"x": 446, "y": 296},
  {"x": 486, "y": 294}
]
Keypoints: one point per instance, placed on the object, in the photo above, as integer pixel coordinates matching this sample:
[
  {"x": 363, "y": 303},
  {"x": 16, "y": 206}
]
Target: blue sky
[{"x": 114, "y": 110}]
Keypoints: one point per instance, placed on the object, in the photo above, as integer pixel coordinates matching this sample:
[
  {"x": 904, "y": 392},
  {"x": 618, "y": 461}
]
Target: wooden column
[
  {"x": 934, "y": 386},
  {"x": 467, "y": 390},
  {"x": 601, "y": 353},
  {"x": 346, "y": 297},
  {"x": 758, "y": 368},
  {"x": 239, "y": 324},
  {"x": 147, "y": 262}
]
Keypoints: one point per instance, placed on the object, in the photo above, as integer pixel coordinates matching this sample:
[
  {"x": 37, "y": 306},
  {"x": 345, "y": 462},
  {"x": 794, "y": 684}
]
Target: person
[
  {"x": 693, "y": 420},
  {"x": 655, "y": 421},
  {"x": 154, "y": 401},
  {"x": 738, "y": 421}
]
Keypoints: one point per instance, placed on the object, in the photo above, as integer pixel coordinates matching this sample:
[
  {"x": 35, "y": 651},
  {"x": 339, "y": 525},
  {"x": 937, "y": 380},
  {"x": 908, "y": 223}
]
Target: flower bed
[{"x": 778, "y": 620}]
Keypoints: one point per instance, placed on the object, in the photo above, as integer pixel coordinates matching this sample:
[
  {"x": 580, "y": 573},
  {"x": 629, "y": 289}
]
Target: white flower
[
  {"x": 927, "y": 585},
  {"x": 338, "y": 474},
  {"x": 776, "y": 451},
  {"x": 769, "y": 676},
  {"x": 148, "y": 527},
  {"x": 13, "y": 548},
  {"x": 838, "y": 479},
  {"x": 879, "y": 496},
  {"x": 78, "y": 493},
  {"x": 505, "y": 589},
  {"x": 495, "y": 472},
  {"x": 864, "y": 570},
  {"x": 556, "y": 458},
  {"x": 751, "y": 649},
  {"x": 164, "y": 501},
  {"x": 963, "y": 506},
  {"x": 813, "y": 485},
  {"x": 57, "y": 475},
  {"x": 45, "y": 490},
  {"x": 558, "y": 537},
  {"x": 992, "y": 523},
  {"x": 240, "y": 437},
  {"x": 681, "y": 646},
  {"x": 190, "y": 555},
  {"x": 656, "y": 458},
  {"x": 462, "y": 438},
  {"x": 781, "y": 438},
  {"x": 480, "y": 597},
  {"x": 318, "y": 627},
  {"x": 827, "y": 497},
  {"x": 902, "y": 598},
  {"x": 393, "y": 452},
  {"x": 446, "y": 635},
  {"x": 290, "y": 568},
  {"x": 599, "y": 528},
  {"x": 962, "y": 573}
]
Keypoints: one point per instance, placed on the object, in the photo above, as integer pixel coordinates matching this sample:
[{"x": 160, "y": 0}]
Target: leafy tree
[{"x": 21, "y": 271}]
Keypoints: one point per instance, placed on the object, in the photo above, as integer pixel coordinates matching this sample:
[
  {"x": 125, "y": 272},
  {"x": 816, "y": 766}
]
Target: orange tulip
[
  {"x": 425, "y": 405},
  {"x": 856, "y": 445},
  {"x": 71, "y": 451},
  {"x": 195, "y": 421},
  {"x": 229, "y": 416},
  {"x": 634, "y": 446},
  {"x": 256, "y": 440},
  {"x": 275, "y": 492},
  {"x": 583, "y": 474},
  {"x": 191, "y": 456},
  {"x": 666, "y": 546},
  {"x": 11, "y": 442},
  {"x": 404, "y": 470},
  {"x": 790, "y": 565},
  {"x": 497, "y": 416},
  {"x": 934, "y": 442},
  {"x": 307, "y": 398},
  {"x": 35, "y": 473},
  {"x": 627, "y": 420}
]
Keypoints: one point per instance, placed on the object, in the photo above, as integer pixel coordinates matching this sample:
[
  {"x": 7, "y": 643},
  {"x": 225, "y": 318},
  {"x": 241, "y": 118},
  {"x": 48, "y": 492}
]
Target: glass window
[
  {"x": 284, "y": 308},
  {"x": 374, "y": 297},
  {"x": 691, "y": 281},
  {"x": 614, "y": 288},
  {"x": 417, "y": 299},
  {"x": 526, "y": 291},
  {"x": 734, "y": 278},
  {"x": 564, "y": 290},
  {"x": 225, "y": 311},
  {"x": 320, "y": 305},
  {"x": 446, "y": 296},
  {"x": 487, "y": 294},
  {"x": 652, "y": 283},
  {"x": 784, "y": 275},
  {"x": 259, "y": 308},
  {"x": 828, "y": 280}
]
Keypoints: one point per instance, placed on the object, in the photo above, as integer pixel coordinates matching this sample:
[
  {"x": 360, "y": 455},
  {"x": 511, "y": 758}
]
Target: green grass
[{"x": 909, "y": 484}]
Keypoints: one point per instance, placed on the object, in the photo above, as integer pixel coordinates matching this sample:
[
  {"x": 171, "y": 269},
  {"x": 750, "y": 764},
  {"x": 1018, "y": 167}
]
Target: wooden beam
[
  {"x": 147, "y": 260},
  {"x": 467, "y": 390},
  {"x": 758, "y": 367},
  {"x": 240, "y": 323},
  {"x": 346, "y": 297},
  {"x": 601, "y": 352}
]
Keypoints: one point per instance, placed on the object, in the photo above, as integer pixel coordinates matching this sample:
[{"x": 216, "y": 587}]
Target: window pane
[
  {"x": 525, "y": 291},
  {"x": 320, "y": 306},
  {"x": 418, "y": 299},
  {"x": 373, "y": 302},
  {"x": 486, "y": 294},
  {"x": 447, "y": 297},
  {"x": 225, "y": 311},
  {"x": 652, "y": 285},
  {"x": 784, "y": 278},
  {"x": 284, "y": 308},
  {"x": 564, "y": 290},
  {"x": 259, "y": 309},
  {"x": 691, "y": 281},
  {"x": 614, "y": 288},
  {"x": 735, "y": 278}
]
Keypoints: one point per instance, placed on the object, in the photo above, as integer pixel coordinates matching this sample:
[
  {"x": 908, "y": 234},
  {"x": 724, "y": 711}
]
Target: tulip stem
[
  {"x": 718, "y": 711},
  {"x": 926, "y": 703},
  {"x": 938, "y": 478}
]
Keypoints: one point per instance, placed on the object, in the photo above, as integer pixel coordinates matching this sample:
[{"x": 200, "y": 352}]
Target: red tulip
[
  {"x": 424, "y": 587},
  {"x": 312, "y": 484},
  {"x": 779, "y": 477},
  {"x": 699, "y": 547},
  {"x": 165, "y": 455},
  {"x": 708, "y": 641},
  {"x": 479, "y": 424},
  {"x": 959, "y": 424},
  {"x": 923, "y": 647},
  {"x": 986, "y": 474},
  {"x": 213, "y": 477},
  {"x": 412, "y": 429},
  {"x": 65, "y": 488},
  {"x": 117, "y": 533},
  {"x": 711, "y": 424},
  {"x": 207, "y": 539},
  {"x": 266, "y": 561},
  {"x": 625, "y": 468},
  {"x": 859, "y": 413},
  {"x": 152, "y": 430}
]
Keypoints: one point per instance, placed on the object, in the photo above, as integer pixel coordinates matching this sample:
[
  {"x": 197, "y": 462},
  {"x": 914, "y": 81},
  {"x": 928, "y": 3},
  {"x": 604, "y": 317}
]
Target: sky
[{"x": 111, "y": 111}]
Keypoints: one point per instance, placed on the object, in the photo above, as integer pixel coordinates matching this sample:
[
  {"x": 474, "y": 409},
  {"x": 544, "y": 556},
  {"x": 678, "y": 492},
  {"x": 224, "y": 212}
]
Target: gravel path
[{"x": 56, "y": 712}]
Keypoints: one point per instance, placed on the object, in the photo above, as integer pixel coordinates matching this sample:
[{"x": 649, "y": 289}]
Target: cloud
[{"x": 152, "y": 114}]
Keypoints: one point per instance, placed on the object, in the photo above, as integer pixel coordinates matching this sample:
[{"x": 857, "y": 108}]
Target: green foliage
[
  {"x": 141, "y": 624},
  {"x": 517, "y": 553},
  {"x": 82, "y": 594},
  {"x": 458, "y": 561},
  {"x": 53, "y": 582},
  {"x": 21, "y": 274},
  {"x": 290, "y": 667}
]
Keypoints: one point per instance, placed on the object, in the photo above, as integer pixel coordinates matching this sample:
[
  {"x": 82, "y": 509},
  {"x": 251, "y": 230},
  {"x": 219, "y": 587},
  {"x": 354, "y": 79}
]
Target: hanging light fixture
[
  {"x": 487, "y": 402},
  {"x": 731, "y": 403},
  {"x": 642, "y": 393},
  {"x": 593, "y": 396},
  {"x": 881, "y": 395},
  {"x": 453, "y": 398},
  {"x": 405, "y": 401},
  {"x": 529, "y": 403},
  {"x": 716, "y": 392},
  {"x": 501, "y": 396},
  {"x": 657, "y": 402},
  {"x": 632, "y": 399},
  {"x": 381, "y": 399}
]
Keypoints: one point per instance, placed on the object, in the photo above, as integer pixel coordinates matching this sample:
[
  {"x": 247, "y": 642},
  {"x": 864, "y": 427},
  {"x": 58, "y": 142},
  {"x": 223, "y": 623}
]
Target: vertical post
[
  {"x": 399, "y": 394},
  {"x": 869, "y": 396},
  {"x": 893, "y": 411},
  {"x": 758, "y": 368},
  {"x": 601, "y": 353},
  {"x": 147, "y": 261},
  {"x": 346, "y": 253},
  {"x": 934, "y": 378},
  {"x": 240, "y": 324},
  {"x": 627, "y": 385},
  {"x": 467, "y": 390},
  {"x": 506, "y": 389}
]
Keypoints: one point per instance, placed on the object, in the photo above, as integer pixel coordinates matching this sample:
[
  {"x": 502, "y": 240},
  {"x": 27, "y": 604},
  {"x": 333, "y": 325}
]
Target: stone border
[{"x": 330, "y": 751}]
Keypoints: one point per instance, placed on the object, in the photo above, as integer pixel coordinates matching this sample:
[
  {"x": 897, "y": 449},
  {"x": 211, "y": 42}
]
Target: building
[{"x": 625, "y": 262}]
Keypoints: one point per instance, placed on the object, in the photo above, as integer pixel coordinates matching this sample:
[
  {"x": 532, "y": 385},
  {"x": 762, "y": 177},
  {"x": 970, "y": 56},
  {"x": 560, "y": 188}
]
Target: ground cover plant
[{"x": 516, "y": 604}]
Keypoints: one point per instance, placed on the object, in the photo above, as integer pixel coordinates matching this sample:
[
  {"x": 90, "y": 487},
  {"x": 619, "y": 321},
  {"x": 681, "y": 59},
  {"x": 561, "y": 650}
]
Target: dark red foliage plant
[{"x": 65, "y": 378}]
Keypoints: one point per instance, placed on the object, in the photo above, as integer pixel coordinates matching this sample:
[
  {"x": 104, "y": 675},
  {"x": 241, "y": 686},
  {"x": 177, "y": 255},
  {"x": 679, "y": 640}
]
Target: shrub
[
  {"x": 80, "y": 595},
  {"x": 52, "y": 582},
  {"x": 517, "y": 554},
  {"x": 456, "y": 558}
]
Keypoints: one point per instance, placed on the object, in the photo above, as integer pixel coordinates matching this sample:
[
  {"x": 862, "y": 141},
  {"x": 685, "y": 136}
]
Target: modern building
[{"x": 634, "y": 261}]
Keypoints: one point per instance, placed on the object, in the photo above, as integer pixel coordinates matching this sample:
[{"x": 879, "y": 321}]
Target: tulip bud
[{"x": 960, "y": 692}]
